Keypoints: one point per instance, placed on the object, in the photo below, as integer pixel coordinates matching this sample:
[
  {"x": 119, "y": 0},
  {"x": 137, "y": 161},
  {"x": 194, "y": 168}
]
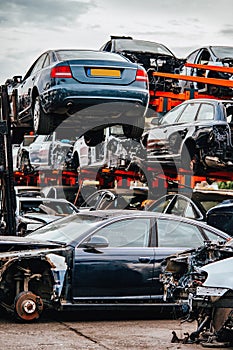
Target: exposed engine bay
[{"x": 157, "y": 63}]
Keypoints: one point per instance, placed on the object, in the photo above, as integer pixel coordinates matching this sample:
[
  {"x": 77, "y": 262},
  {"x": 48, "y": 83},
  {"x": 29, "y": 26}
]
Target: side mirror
[
  {"x": 155, "y": 121},
  {"x": 96, "y": 242}
]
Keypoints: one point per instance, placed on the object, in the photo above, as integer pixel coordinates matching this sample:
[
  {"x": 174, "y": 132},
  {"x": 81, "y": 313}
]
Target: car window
[
  {"x": 39, "y": 64},
  {"x": 182, "y": 207},
  {"x": 189, "y": 114},
  {"x": 160, "y": 206},
  {"x": 222, "y": 51},
  {"x": 204, "y": 57},
  {"x": 89, "y": 55},
  {"x": 46, "y": 61},
  {"x": 171, "y": 116},
  {"x": 127, "y": 233},
  {"x": 206, "y": 112},
  {"x": 141, "y": 45},
  {"x": 192, "y": 56},
  {"x": 93, "y": 200},
  {"x": 48, "y": 207},
  {"x": 212, "y": 236},
  {"x": 173, "y": 233}
]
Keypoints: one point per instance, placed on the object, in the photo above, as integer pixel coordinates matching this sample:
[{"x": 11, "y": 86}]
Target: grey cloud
[
  {"x": 17, "y": 13},
  {"x": 228, "y": 30}
]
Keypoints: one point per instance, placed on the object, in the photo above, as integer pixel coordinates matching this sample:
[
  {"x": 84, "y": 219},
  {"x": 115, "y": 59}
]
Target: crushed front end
[{"x": 31, "y": 281}]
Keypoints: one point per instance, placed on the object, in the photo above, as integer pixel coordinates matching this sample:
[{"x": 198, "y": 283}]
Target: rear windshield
[
  {"x": 223, "y": 51},
  {"x": 88, "y": 55},
  {"x": 142, "y": 46}
]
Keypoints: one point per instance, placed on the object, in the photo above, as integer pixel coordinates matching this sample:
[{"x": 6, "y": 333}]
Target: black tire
[
  {"x": 43, "y": 123},
  {"x": 134, "y": 131},
  {"x": 93, "y": 138}
]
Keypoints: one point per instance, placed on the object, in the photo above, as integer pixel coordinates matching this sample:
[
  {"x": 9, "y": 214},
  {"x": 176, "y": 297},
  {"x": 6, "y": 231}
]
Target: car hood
[
  {"x": 43, "y": 218},
  {"x": 12, "y": 244}
]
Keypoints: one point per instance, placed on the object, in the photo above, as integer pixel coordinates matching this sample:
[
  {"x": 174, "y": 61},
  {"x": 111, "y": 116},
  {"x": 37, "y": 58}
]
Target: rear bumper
[{"x": 70, "y": 101}]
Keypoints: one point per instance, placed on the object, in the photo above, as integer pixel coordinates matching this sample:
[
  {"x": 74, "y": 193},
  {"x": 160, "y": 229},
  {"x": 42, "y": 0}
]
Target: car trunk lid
[{"x": 99, "y": 72}]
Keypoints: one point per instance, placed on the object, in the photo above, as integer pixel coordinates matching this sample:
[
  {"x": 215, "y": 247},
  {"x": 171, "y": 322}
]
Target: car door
[
  {"x": 158, "y": 136},
  {"x": 123, "y": 269},
  {"x": 176, "y": 131},
  {"x": 25, "y": 88}
]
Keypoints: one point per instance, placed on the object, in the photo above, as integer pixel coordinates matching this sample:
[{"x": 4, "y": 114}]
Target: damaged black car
[
  {"x": 196, "y": 135},
  {"x": 99, "y": 259},
  {"x": 153, "y": 56}
]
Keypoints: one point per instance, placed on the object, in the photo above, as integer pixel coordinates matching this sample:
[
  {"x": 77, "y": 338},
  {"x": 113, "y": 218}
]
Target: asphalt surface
[{"x": 95, "y": 332}]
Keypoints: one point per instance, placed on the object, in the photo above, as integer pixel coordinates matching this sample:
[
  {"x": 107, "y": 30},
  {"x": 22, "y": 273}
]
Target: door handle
[{"x": 145, "y": 259}]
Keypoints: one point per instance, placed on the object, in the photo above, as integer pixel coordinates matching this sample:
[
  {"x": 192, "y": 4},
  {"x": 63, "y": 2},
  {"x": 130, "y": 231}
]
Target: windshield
[
  {"x": 223, "y": 51},
  {"x": 65, "y": 230},
  {"x": 141, "y": 45}
]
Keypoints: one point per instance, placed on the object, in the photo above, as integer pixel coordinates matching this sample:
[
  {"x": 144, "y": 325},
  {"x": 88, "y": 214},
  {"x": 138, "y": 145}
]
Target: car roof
[
  {"x": 124, "y": 190},
  {"x": 209, "y": 100},
  {"x": 122, "y": 213}
]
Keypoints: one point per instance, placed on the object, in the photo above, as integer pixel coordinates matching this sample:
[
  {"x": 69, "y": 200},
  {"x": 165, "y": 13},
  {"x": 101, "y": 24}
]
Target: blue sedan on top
[{"x": 83, "y": 91}]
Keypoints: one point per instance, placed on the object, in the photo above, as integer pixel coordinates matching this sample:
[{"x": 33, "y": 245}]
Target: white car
[
  {"x": 43, "y": 152},
  {"x": 115, "y": 151},
  {"x": 33, "y": 212}
]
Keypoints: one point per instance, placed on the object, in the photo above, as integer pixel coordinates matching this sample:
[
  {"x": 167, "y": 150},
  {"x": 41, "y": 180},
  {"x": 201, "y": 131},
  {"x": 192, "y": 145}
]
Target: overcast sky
[{"x": 30, "y": 27}]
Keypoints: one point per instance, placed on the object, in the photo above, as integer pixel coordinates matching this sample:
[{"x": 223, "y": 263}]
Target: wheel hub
[{"x": 28, "y": 306}]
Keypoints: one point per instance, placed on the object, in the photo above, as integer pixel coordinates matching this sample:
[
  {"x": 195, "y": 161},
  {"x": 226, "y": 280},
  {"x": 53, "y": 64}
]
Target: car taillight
[
  {"x": 141, "y": 75},
  {"x": 61, "y": 72}
]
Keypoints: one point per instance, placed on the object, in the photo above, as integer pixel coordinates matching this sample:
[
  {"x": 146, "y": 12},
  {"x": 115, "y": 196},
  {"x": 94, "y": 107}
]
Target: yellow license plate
[{"x": 99, "y": 72}]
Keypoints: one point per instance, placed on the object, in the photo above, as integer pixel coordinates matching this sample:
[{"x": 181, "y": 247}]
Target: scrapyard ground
[{"x": 120, "y": 331}]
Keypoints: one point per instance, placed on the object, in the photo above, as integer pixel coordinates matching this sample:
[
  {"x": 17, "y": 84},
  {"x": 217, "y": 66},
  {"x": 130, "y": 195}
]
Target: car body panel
[
  {"x": 216, "y": 277},
  {"x": 127, "y": 275},
  {"x": 221, "y": 215}
]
